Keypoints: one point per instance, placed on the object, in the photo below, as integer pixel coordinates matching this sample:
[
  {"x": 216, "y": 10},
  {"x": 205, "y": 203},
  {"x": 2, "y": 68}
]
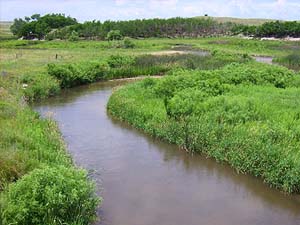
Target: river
[{"x": 144, "y": 181}]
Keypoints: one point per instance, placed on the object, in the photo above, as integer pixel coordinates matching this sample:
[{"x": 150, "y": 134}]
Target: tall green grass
[
  {"x": 38, "y": 182},
  {"x": 118, "y": 66},
  {"x": 245, "y": 115},
  {"x": 291, "y": 61}
]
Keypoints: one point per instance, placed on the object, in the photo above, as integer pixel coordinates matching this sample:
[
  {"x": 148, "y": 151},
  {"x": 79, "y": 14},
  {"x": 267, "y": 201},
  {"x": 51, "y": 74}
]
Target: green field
[
  {"x": 5, "y": 30},
  {"x": 222, "y": 104}
]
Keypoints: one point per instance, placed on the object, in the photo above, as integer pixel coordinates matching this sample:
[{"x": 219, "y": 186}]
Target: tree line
[
  {"x": 277, "y": 29},
  {"x": 58, "y": 26}
]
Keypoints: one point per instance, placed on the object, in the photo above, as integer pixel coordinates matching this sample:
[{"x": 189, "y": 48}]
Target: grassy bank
[
  {"x": 39, "y": 183},
  {"x": 33, "y": 154},
  {"x": 66, "y": 75},
  {"x": 245, "y": 115}
]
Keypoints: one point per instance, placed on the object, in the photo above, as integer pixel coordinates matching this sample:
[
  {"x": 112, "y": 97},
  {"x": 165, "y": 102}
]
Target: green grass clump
[
  {"x": 250, "y": 120},
  {"x": 50, "y": 195},
  {"x": 39, "y": 86}
]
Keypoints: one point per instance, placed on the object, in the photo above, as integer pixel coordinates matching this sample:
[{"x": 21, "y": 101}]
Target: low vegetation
[
  {"x": 50, "y": 195},
  {"x": 38, "y": 182},
  {"x": 244, "y": 114},
  {"x": 291, "y": 61},
  {"x": 117, "y": 66}
]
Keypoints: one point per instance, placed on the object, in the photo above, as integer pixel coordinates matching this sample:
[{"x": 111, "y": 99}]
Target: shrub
[
  {"x": 71, "y": 75},
  {"x": 114, "y": 35},
  {"x": 117, "y": 61},
  {"x": 128, "y": 43},
  {"x": 50, "y": 36},
  {"x": 50, "y": 196},
  {"x": 73, "y": 36},
  {"x": 39, "y": 86}
]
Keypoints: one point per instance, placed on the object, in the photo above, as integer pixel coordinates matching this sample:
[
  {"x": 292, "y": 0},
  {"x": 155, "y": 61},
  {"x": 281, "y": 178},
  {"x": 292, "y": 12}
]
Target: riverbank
[
  {"x": 39, "y": 182},
  {"x": 233, "y": 115},
  {"x": 138, "y": 169},
  {"x": 33, "y": 153}
]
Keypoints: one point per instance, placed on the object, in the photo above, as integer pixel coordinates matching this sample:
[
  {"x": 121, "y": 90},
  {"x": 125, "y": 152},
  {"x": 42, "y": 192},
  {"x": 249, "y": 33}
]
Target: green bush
[
  {"x": 50, "y": 196},
  {"x": 73, "y": 36},
  {"x": 39, "y": 86},
  {"x": 117, "y": 61},
  {"x": 114, "y": 35},
  {"x": 71, "y": 75},
  {"x": 128, "y": 43}
]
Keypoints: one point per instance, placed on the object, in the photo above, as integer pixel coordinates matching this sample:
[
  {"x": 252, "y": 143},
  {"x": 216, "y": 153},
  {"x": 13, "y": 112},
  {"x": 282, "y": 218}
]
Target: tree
[
  {"x": 17, "y": 26},
  {"x": 41, "y": 29},
  {"x": 35, "y": 16},
  {"x": 39, "y": 26}
]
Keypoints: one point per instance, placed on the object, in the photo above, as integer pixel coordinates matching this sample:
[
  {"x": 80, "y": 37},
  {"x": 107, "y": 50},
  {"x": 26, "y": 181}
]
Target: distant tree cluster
[
  {"x": 38, "y": 26},
  {"x": 58, "y": 26},
  {"x": 276, "y": 29},
  {"x": 174, "y": 27}
]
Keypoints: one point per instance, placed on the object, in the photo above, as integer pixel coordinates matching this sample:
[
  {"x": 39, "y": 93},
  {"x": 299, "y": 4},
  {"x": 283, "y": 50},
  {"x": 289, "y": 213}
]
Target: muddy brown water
[{"x": 148, "y": 182}]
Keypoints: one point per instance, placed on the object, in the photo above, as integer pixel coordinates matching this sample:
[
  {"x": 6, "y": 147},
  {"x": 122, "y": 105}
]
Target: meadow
[
  {"x": 5, "y": 32},
  {"x": 216, "y": 103}
]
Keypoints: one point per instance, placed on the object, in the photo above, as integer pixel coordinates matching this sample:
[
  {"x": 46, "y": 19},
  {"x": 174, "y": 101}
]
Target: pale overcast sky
[{"x": 132, "y": 9}]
